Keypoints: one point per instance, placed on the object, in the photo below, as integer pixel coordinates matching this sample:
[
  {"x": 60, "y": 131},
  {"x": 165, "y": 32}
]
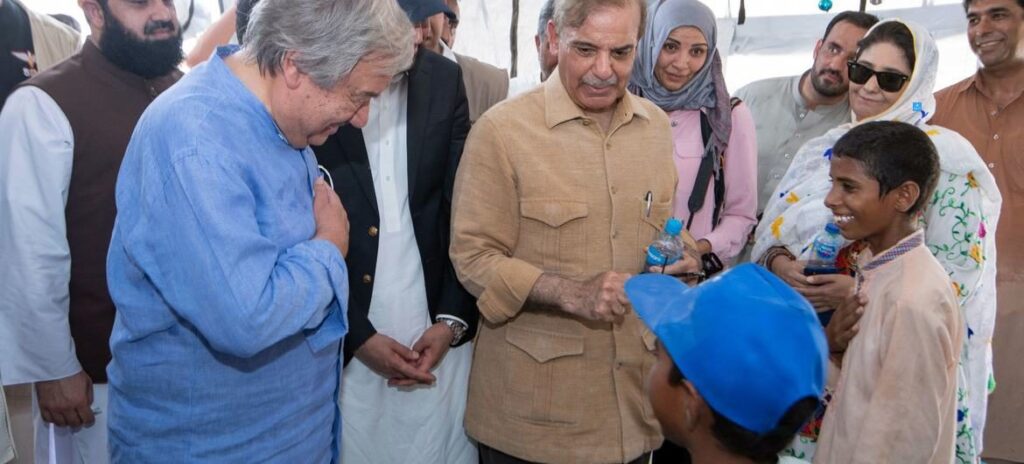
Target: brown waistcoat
[{"x": 102, "y": 103}]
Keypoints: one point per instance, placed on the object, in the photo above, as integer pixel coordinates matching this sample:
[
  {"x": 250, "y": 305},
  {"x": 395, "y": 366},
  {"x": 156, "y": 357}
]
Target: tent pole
[{"x": 513, "y": 39}]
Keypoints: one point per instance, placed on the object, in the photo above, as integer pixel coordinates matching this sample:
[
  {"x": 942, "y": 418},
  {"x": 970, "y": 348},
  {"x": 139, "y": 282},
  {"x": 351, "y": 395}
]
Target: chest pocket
[{"x": 554, "y": 234}]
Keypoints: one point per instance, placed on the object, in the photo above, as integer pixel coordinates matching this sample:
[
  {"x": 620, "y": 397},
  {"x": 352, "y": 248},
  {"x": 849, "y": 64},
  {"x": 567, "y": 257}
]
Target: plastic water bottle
[
  {"x": 668, "y": 247},
  {"x": 824, "y": 251}
]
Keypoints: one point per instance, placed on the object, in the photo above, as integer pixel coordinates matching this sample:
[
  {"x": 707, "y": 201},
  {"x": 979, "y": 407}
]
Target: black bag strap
[{"x": 704, "y": 174}]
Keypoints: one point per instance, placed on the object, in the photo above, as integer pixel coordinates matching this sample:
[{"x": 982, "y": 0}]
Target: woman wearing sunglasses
[
  {"x": 892, "y": 78},
  {"x": 679, "y": 69}
]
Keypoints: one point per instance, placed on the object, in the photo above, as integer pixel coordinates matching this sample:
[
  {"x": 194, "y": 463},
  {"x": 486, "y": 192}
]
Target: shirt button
[
  {"x": 995, "y": 113},
  {"x": 615, "y": 234},
  {"x": 995, "y": 137},
  {"x": 586, "y": 122},
  {"x": 372, "y": 231},
  {"x": 367, "y": 278},
  {"x": 787, "y": 155},
  {"x": 674, "y": 124},
  {"x": 608, "y": 146},
  {"x": 802, "y": 115},
  {"x": 614, "y": 190},
  {"x": 991, "y": 165},
  {"x": 777, "y": 176}
]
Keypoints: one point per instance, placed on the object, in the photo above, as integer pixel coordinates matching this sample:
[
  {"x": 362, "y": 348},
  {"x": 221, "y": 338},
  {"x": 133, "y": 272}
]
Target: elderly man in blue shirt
[{"x": 226, "y": 258}]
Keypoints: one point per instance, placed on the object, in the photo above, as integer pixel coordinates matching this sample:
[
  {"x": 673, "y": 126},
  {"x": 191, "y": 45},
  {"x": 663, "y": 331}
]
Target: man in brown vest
[{"x": 63, "y": 134}]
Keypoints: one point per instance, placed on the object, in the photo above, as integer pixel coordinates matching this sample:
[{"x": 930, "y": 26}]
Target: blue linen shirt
[{"x": 229, "y": 316}]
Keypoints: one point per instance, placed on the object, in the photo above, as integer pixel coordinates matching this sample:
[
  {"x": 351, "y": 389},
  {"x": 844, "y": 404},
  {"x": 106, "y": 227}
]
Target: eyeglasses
[{"x": 887, "y": 81}]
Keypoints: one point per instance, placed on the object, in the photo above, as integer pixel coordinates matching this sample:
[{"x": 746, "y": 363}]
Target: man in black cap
[
  {"x": 486, "y": 85},
  {"x": 407, "y": 359}
]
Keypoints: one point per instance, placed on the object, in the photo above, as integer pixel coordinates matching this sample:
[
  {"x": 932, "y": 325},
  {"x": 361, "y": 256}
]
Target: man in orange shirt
[{"x": 987, "y": 109}]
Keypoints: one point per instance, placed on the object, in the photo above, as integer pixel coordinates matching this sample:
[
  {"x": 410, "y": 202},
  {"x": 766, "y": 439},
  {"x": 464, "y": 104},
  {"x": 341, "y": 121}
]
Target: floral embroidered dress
[{"x": 959, "y": 221}]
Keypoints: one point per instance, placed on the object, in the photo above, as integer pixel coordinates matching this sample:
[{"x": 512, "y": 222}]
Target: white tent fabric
[{"x": 777, "y": 38}]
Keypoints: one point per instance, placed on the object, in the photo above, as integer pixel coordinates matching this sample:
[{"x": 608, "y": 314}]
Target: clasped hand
[{"x": 402, "y": 366}]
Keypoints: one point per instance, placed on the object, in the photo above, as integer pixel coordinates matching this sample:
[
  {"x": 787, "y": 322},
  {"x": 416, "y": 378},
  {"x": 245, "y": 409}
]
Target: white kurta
[
  {"x": 6, "y": 439},
  {"x": 382, "y": 424},
  {"x": 36, "y": 146},
  {"x": 36, "y": 154}
]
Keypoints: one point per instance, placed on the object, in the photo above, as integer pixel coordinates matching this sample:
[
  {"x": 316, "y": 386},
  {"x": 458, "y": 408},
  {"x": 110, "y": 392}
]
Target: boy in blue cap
[
  {"x": 895, "y": 395},
  {"x": 741, "y": 363}
]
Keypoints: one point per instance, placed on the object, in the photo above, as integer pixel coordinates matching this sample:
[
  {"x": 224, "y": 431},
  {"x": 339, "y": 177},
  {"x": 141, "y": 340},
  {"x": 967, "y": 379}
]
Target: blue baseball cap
[
  {"x": 749, "y": 343},
  {"x": 419, "y": 10}
]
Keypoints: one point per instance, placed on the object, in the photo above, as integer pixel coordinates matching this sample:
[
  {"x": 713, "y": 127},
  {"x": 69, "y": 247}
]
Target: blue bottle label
[
  {"x": 825, "y": 252},
  {"x": 656, "y": 258}
]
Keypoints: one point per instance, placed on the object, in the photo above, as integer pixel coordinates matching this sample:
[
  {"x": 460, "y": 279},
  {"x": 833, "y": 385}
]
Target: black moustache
[{"x": 156, "y": 26}]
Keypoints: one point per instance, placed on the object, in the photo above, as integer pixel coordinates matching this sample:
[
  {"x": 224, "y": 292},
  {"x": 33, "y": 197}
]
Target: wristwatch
[{"x": 457, "y": 327}]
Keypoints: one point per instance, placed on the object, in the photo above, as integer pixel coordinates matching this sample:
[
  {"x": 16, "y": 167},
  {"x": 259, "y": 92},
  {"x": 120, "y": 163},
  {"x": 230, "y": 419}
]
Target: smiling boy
[{"x": 895, "y": 397}]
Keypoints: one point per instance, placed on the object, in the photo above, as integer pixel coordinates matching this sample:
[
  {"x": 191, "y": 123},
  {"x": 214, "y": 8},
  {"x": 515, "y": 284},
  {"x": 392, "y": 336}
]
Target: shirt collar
[
  {"x": 798, "y": 98},
  {"x": 230, "y": 83},
  {"x": 908, "y": 243},
  {"x": 966, "y": 84},
  {"x": 559, "y": 107},
  {"x": 447, "y": 52}
]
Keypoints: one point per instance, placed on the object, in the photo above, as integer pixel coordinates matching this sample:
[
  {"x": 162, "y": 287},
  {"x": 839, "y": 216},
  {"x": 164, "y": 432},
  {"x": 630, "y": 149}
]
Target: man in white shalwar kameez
[{"x": 404, "y": 386}]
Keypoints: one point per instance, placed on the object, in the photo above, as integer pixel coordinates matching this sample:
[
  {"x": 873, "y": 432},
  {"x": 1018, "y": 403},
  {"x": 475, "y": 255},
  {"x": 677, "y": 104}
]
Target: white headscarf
[{"x": 796, "y": 211}]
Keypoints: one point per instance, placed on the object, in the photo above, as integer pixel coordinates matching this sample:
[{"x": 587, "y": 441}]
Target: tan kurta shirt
[
  {"x": 486, "y": 85},
  {"x": 996, "y": 133},
  {"x": 542, "y": 188},
  {"x": 52, "y": 40},
  {"x": 895, "y": 399}
]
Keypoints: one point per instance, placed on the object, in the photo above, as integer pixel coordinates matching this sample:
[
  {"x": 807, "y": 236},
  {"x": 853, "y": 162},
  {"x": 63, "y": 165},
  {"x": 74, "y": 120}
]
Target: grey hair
[
  {"x": 573, "y": 13},
  {"x": 329, "y": 37},
  {"x": 546, "y": 13}
]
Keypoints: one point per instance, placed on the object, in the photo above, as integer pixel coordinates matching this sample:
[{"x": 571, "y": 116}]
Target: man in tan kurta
[
  {"x": 558, "y": 193},
  {"x": 895, "y": 399},
  {"x": 988, "y": 109}
]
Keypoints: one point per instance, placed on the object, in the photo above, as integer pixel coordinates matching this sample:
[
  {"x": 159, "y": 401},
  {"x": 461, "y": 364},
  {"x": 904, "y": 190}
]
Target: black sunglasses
[{"x": 887, "y": 81}]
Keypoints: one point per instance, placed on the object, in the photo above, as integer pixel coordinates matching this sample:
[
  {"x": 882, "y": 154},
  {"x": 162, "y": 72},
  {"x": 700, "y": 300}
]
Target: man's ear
[
  {"x": 553, "y": 38},
  {"x": 693, "y": 404},
  {"x": 906, "y": 195},
  {"x": 93, "y": 14},
  {"x": 290, "y": 71},
  {"x": 817, "y": 48}
]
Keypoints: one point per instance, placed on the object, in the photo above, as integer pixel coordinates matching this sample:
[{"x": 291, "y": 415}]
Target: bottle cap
[
  {"x": 832, "y": 228},
  {"x": 673, "y": 226}
]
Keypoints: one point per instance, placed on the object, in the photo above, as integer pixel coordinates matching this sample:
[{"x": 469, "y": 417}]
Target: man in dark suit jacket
[
  {"x": 389, "y": 335},
  {"x": 437, "y": 126}
]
